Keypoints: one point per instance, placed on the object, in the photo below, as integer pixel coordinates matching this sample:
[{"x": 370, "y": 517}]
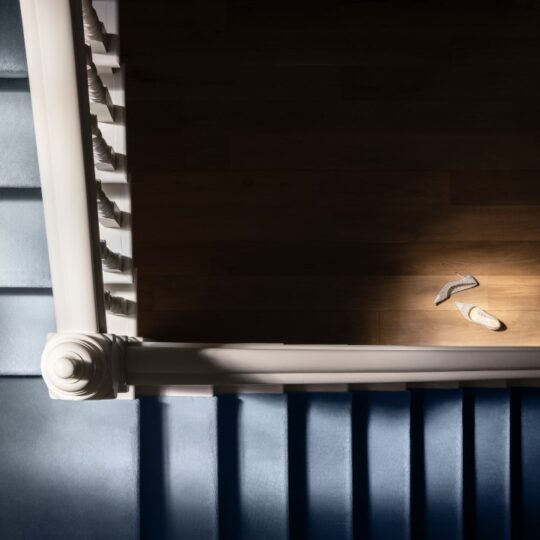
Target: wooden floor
[{"x": 315, "y": 171}]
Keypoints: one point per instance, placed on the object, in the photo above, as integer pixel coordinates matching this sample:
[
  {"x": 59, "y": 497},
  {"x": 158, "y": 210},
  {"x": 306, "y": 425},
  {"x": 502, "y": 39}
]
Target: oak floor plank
[
  {"x": 232, "y": 82},
  {"x": 277, "y": 326},
  {"x": 371, "y": 293},
  {"x": 227, "y": 81},
  {"x": 516, "y": 188},
  {"x": 344, "y": 223},
  {"x": 200, "y": 189},
  {"x": 338, "y": 258},
  {"x": 337, "y": 117},
  {"x": 447, "y": 328},
  {"x": 385, "y": 151},
  {"x": 514, "y": 292}
]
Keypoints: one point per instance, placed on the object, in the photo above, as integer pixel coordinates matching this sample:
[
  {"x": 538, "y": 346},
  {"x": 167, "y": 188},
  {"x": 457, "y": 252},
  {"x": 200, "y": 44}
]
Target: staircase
[
  {"x": 458, "y": 463},
  {"x": 424, "y": 463}
]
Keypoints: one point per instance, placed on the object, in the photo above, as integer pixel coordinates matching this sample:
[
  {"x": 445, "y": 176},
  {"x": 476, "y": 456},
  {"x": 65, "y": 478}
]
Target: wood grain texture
[
  {"x": 315, "y": 171},
  {"x": 449, "y": 328}
]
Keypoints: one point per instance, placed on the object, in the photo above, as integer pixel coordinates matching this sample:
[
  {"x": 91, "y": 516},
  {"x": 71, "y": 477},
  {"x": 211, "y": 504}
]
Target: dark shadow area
[
  {"x": 298, "y": 510},
  {"x": 361, "y": 500},
  {"x": 152, "y": 469},
  {"x": 516, "y": 472},
  {"x": 469, "y": 484},
  {"x": 26, "y": 194},
  {"x": 119, "y": 115},
  {"x": 228, "y": 467},
  {"x": 418, "y": 479},
  {"x": 321, "y": 184}
]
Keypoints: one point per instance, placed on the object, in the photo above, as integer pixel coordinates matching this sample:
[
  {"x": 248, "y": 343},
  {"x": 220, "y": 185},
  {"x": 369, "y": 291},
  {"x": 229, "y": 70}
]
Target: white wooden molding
[
  {"x": 162, "y": 364},
  {"x": 94, "y": 31},
  {"x": 99, "y": 366},
  {"x": 104, "y": 156},
  {"x": 100, "y": 100},
  {"x": 83, "y": 366},
  {"x": 110, "y": 215}
]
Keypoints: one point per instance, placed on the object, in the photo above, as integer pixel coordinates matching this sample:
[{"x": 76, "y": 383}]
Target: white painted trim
[
  {"x": 104, "y": 366},
  {"x": 57, "y": 73},
  {"x": 168, "y": 364}
]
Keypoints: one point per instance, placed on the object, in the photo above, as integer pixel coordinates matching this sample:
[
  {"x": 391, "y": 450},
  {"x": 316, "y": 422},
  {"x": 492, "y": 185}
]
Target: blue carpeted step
[
  {"x": 23, "y": 248},
  {"x": 12, "y": 54},
  {"x": 19, "y": 165},
  {"x": 320, "y": 466},
  {"x": 26, "y": 317},
  {"x": 491, "y": 464},
  {"x": 179, "y": 468},
  {"x": 444, "y": 464},
  {"x": 253, "y": 467},
  {"x": 68, "y": 469},
  {"x": 438, "y": 464},
  {"x": 383, "y": 487}
]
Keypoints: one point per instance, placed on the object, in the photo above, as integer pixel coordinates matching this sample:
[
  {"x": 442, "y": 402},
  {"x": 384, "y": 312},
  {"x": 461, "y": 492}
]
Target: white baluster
[
  {"x": 104, "y": 157},
  {"x": 108, "y": 212},
  {"x": 116, "y": 304},
  {"x": 111, "y": 261},
  {"x": 100, "y": 101},
  {"x": 94, "y": 31}
]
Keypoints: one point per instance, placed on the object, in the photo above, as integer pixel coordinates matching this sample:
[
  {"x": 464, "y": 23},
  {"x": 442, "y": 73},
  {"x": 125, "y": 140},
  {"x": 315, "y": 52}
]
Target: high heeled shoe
[
  {"x": 453, "y": 287},
  {"x": 478, "y": 316}
]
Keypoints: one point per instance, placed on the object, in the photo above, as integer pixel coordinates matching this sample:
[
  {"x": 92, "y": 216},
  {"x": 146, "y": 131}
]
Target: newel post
[{"x": 84, "y": 366}]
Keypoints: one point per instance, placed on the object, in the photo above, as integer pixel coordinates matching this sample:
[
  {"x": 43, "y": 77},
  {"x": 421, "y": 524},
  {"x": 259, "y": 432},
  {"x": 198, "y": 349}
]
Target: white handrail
[
  {"x": 119, "y": 363},
  {"x": 54, "y": 40}
]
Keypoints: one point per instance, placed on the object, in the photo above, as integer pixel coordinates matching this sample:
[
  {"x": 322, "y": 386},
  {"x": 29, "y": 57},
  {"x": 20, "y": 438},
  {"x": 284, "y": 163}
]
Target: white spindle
[
  {"x": 104, "y": 157},
  {"x": 116, "y": 304},
  {"x": 94, "y": 31},
  {"x": 111, "y": 261},
  {"x": 100, "y": 100},
  {"x": 108, "y": 212},
  {"x": 96, "y": 90}
]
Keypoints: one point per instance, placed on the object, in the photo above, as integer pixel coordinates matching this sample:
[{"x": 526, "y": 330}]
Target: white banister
[
  {"x": 111, "y": 261},
  {"x": 59, "y": 93},
  {"x": 116, "y": 304},
  {"x": 151, "y": 364},
  {"x": 96, "y": 90},
  {"x": 94, "y": 30},
  {"x": 109, "y": 213},
  {"x": 148, "y": 364},
  {"x": 100, "y": 100},
  {"x": 104, "y": 156}
]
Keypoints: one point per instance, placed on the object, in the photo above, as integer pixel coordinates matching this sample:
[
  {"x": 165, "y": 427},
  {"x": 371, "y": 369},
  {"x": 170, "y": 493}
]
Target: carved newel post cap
[
  {"x": 67, "y": 367},
  {"x": 83, "y": 366}
]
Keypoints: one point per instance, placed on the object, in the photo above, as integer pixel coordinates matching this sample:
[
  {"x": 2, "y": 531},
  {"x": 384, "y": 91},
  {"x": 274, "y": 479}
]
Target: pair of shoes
[{"x": 471, "y": 312}]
